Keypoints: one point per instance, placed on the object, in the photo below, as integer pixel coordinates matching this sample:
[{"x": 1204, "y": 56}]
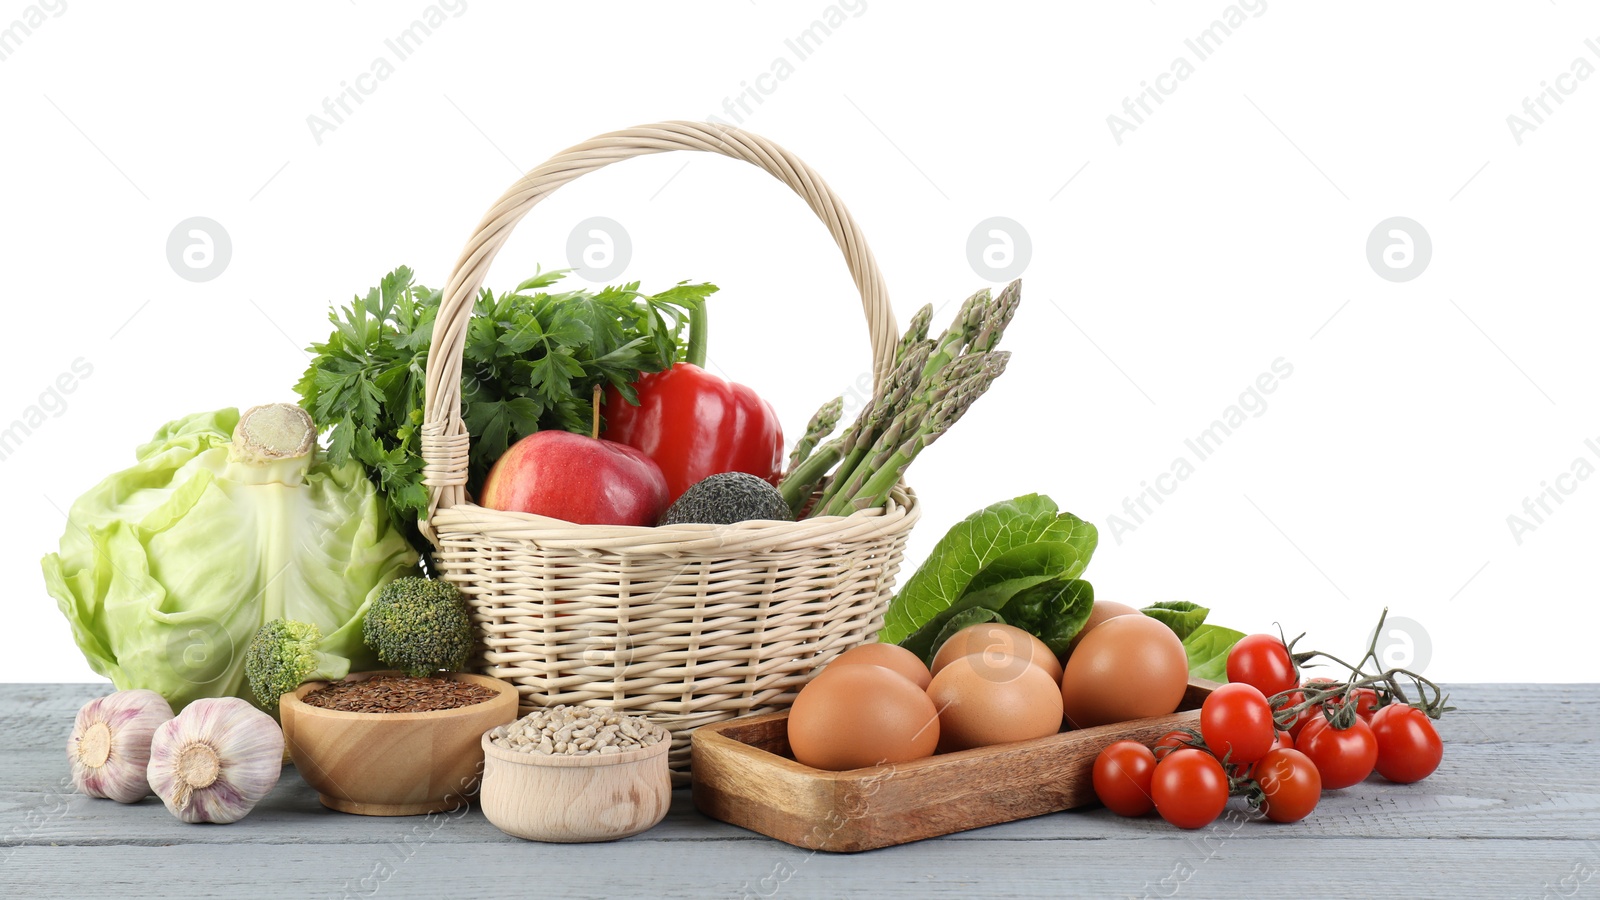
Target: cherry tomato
[
  {"x": 1282, "y": 742},
  {"x": 1366, "y": 703},
  {"x": 1409, "y": 748},
  {"x": 1293, "y": 699},
  {"x": 1172, "y": 740},
  {"x": 1189, "y": 788},
  {"x": 1315, "y": 724},
  {"x": 1236, "y": 723},
  {"x": 1262, "y": 660},
  {"x": 1343, "y": 756},
  {"x": 1122, "y": 775},
  {"x": 1291, "y": 783},
  {"x": 1366, "y": 700}
]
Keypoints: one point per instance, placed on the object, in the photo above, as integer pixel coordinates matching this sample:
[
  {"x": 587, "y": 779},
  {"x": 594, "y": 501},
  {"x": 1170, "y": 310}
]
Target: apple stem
[{"x": 594, "y": 431}]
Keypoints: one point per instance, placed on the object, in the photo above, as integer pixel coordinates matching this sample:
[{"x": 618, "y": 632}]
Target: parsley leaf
[{"x": 531, "y": 360}]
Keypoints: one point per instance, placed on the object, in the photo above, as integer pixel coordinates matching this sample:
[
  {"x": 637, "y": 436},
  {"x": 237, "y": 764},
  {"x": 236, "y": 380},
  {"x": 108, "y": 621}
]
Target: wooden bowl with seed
[
  {"x": 393, "y": 763},
  {"x": 576, "y": 799}
]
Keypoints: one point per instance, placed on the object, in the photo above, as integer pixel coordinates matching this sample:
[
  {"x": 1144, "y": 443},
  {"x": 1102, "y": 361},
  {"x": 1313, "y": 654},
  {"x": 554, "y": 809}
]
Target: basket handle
[{"x": 445, "y": 442}]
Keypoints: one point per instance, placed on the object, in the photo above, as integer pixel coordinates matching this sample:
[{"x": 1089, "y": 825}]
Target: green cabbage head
[{"x": 167, "y": 568}]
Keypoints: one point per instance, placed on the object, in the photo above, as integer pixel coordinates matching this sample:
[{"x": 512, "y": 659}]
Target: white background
[{"x": 1167, "y": 271}]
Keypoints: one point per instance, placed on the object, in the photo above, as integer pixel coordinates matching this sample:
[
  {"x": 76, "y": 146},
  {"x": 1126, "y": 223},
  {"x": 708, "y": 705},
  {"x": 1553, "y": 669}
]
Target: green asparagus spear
[
  {"x": 821, "y": 425},
  {"x": 932, "y": 384},
  {"x": 897, "y": 390},
  {"x": 997, "y": 317},
  {"x": 916, "y": 332},
  {"x": 908, "y": 436}
]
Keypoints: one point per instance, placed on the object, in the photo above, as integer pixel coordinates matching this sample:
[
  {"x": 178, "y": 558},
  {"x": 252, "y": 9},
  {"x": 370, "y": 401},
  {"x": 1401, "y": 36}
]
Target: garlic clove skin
[
  {"x": 216, "y": 760},
  {"x": 109, "y": 749}
]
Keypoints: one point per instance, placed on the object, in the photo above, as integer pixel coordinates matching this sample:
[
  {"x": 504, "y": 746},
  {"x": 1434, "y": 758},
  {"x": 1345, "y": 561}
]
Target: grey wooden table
[{"x": 1513, "y": 812}]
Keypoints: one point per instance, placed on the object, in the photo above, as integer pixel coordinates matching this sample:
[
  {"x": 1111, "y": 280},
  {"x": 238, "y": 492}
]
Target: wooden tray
[{"x": 744, "y": 774}]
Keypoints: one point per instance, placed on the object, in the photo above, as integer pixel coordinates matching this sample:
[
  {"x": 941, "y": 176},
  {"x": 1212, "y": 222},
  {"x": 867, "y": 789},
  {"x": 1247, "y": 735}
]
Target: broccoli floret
[
  {"x": 727, "y": 498},
  {"x": 283, "y": 655},
  {"x": 419, "y": 626}
]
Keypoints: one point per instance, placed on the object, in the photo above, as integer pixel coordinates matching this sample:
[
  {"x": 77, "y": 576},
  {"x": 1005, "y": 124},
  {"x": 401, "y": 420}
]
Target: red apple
[{"x": 581, "y": 479}]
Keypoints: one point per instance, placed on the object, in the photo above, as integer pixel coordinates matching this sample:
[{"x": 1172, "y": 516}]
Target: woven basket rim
[
  {"x": 678, "y": 540},
  {"x": 903, "y": 498}
]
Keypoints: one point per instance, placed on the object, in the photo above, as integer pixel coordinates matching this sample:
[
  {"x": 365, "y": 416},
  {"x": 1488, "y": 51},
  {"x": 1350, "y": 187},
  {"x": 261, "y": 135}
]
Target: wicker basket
[{"x": 687, "y": 624}]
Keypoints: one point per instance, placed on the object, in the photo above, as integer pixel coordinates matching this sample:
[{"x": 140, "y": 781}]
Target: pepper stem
[{"x": 695, "y": 353}]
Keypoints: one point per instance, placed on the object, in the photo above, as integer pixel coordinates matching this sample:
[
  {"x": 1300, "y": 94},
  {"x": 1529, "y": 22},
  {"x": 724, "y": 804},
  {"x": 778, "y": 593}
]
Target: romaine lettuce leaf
[
  {"x": 1181, "y": 616},
  {"x": 1207, "y": 648},
  {"x": 971, "y": 546},
  {"x": 1054, "y": 612},
  {"x": 1012, "y": 572}
]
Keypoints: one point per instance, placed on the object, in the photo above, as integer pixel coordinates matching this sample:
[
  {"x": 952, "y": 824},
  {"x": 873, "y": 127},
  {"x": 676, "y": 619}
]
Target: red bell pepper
[{"x": 694, "y": 424}]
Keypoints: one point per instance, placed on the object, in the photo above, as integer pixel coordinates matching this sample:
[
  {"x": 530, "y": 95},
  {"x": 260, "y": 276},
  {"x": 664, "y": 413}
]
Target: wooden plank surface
[{"x": 1514, "y": 811}]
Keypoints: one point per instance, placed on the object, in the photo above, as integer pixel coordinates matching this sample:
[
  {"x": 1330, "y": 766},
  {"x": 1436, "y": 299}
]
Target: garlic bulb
[
  {"x": 216, "y": 760},
  {"x": 110, "y": 744}
]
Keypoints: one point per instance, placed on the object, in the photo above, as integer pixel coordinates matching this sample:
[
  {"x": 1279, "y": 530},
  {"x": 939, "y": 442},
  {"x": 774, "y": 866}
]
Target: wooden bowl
[
  {"x": 393, "y": 764},
  {"x": 576, "y": 799}
]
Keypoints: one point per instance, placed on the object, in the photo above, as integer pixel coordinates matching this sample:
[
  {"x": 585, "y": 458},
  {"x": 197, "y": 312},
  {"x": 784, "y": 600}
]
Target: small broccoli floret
[
  {"x": 728, "y": 498},
  {"x": 419, "y": 626},
  {"x": 283, "y": 655}
]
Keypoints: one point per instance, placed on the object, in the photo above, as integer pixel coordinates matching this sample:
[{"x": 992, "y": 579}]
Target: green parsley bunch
[{"x": 531, "y": 361}]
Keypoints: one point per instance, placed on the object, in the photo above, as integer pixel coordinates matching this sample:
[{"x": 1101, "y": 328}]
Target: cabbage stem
[{"x": 272, "y": 432}]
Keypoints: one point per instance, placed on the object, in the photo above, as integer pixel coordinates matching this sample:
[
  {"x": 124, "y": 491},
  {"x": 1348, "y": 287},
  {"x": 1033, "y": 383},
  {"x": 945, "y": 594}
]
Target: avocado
[{"x": 727, "y": 498}]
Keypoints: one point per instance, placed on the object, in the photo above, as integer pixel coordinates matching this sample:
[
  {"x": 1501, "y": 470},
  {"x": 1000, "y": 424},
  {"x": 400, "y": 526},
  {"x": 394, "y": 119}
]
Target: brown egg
[
  {"x": 986, "y": 699},
  {"x": 1128, "y": 668},
  {"x": 997, "y": 639},
  {"x": 1102, "y": 610},
  {"x": 854, "y": 716},
  {"x": 891, "y": 656}
]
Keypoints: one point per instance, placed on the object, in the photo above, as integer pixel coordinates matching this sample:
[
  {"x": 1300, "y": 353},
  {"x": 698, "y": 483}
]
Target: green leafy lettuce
[
  {"x": 1181, "y": 616},
  {"x": 1018, "y": 559},
  {"x": 1207, "y": 646},
  {"x": 1019, "y": 563},
  {"x": 1054, "y": 612}
]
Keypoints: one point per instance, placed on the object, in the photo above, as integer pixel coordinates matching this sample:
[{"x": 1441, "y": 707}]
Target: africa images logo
[{"x": 1251, "y": 404}]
